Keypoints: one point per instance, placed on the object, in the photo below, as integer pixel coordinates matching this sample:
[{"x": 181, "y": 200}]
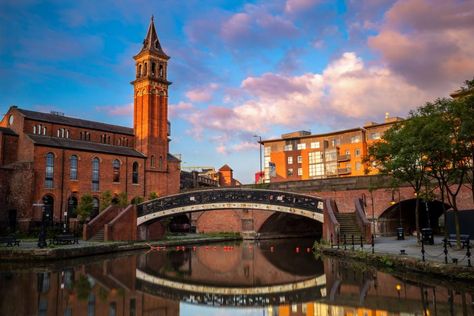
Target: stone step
[{"x": 99, "y": 236}]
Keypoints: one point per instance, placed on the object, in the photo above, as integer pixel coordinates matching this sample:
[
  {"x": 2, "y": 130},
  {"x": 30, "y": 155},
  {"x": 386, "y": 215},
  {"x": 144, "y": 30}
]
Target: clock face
[{"x": 10, "y": 120}]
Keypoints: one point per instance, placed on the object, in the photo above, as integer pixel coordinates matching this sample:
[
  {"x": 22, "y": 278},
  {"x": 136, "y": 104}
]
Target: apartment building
[{"x": 301, "y": 155}]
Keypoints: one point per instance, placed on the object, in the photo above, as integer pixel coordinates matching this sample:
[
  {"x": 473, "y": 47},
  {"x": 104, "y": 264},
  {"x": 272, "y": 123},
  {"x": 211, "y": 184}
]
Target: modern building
[
  {"x": 51, "y": 159},
  {"x": 301, "y": 155}
]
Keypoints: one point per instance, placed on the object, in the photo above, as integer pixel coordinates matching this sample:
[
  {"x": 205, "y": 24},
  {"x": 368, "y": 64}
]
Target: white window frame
[
  {"x": 315, "y": 145},
  {"x": 301, "y": 146}
]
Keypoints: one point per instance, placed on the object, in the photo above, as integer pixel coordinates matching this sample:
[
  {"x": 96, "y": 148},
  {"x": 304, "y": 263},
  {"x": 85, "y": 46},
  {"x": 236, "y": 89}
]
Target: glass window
[
  {"x": 358, "y": 165},
  {"x": 290, "y": 171},
  {"x": 288, "y": 147},
  {"x": 49, "y": 171},
  {"x": 135, "y": 173},
  {"x": 301, "y": 146},
  {"x": 355, "y": 139},
  {"x": 290, "y": 160},
  {"x": 300, "y": 159},
  {"x": 116, "y": 170},
  {"x": 315, "y": 157},
  {"x": 267, "y": 150},
  {"x": 300, "y": 171},
  {"x": 374, "y": 135},
  {"x": 152, "y": 161},
  {"x": 357, "y": 152},
  {"x": 315, "y": 145},
  {"x": 73, "y": 168},
  {"x": 95, "y": 174}
]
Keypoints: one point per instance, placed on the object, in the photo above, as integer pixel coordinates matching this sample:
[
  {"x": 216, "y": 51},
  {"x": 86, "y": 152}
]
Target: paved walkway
[{"x": 433, "y": 253}]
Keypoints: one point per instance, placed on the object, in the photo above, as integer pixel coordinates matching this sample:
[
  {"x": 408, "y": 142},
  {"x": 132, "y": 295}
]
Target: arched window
[
  {"x": 67, "y": 133},
  {"x": 161, "y": 71},
  {"x": 44, "y": 131},
  {"x": 88, "y": 135},
  {"x": 152, "y": 161},
  {"x": 153, "y": 69},
  {"x": 48, "y": 183},
  {"x": 160, "y": 163},
  {"x": 73, "y": 168},
  {"x": 58, "y": 133},
  {"x": 116, "y": 170},
  {"x": 139, "y": 72},
  {"x": 135, "y": 173},
  {"x": 108, "y": 139},
  {"x": 34, "y": 129},
  {"x": 145, "y": 70},
  {"x": 95, "y": 174}
]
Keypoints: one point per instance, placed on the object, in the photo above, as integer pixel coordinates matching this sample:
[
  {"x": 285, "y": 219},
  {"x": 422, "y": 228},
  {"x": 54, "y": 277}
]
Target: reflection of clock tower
[{"x": 150, "y": 121}]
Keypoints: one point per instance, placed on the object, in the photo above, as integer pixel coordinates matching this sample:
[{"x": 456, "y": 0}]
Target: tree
[
  {"x": 137, "y": 200},
  {"x": 122, "y": 199},
  {"x": 152, "y": 196},
  {"x": 105, "y": 200},
  {"x": 85, "y": 207},
  {"x": 400, "y": 155}
]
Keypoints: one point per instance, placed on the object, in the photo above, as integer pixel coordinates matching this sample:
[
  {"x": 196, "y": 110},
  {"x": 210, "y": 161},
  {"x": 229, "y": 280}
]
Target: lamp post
[
  {"x": 42, "y": 235},
  {"x": 260, "y": 157}
]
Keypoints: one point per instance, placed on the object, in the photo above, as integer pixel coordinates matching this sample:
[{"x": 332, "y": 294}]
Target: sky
[{"x": 239, "y": 68}]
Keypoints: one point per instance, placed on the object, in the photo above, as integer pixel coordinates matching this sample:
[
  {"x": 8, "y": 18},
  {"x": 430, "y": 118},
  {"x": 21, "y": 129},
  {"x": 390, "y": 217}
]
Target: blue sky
[{"x": 238, "y": 68}]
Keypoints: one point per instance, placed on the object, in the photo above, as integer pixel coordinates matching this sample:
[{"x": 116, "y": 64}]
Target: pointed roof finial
[{"x": 151, "y": 41}]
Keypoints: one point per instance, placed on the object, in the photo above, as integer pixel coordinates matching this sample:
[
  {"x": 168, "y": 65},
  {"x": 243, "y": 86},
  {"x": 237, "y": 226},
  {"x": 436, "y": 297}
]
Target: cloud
[
  {"x": 294, "y": 6},
  {"x": 179, "y": 110},
  {"x": 428, "y": 42},
  {"x": 116, "y": 110},
  {"x": 202, "y": 94},
  {"x": 346, "y": 94}
]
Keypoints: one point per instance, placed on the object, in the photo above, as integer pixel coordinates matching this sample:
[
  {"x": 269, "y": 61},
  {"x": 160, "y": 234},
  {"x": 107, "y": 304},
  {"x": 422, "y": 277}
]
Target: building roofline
[{"x": 313, "y": 135}]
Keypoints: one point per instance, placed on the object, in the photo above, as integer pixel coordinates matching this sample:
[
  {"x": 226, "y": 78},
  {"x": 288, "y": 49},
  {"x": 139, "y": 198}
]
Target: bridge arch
[{"x": 231, "y": 198}]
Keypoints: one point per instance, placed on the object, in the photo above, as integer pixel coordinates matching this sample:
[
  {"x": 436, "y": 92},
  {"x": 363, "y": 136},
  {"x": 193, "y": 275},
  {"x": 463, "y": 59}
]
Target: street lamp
[
  {"x": 42, "y": 235},
  {"x": 260, "y": 160}
]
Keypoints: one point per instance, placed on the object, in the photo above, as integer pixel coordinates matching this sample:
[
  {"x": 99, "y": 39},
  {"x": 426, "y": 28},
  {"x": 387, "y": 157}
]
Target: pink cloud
[
  {"x": 118, "y": 110},
  {"x": 179, "y": 110},
  {"x": 202, "y": 94},
  {"x": 428, "y": 42},
  {"x": 294, "y": 6}
]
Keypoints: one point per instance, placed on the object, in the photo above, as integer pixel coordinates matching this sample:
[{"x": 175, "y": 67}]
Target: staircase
[
  {"x": 98, "y": 237},
  {"x": 349, "y": 227}
]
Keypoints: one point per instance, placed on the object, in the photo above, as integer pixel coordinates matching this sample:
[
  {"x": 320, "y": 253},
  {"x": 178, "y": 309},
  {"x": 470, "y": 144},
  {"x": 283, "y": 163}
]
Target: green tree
[
  {"x": 137, "y": 200},
  {"x": 122, "y": 199},
  {"x": 152, "y": 196},
  {"x": 400, "y": 155},
  {"x": 85, "y": 207},
  {"x": 105, "y": 200}
]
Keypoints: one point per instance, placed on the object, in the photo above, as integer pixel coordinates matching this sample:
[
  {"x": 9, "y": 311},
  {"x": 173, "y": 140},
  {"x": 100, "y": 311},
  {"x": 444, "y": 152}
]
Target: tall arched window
[
  {"x": 44, "y": 130},
  {"x": 34, "y": 129},
  {"x": 135, "y": 173},
  {"x": 145, "y": 70},
  {"x": 160, "y": 163},
  {"x": 139, "y": 72},
  {"x": 152, "y": 161},
  {"x": 116, "y": 170},
  {"x": 73, "y": 168},
  {"x": 48, "y": 183},
  {"x": 161, "y": 71},
  {"x": 95, "y": 174},
  {"x": 153, "y": 69}
]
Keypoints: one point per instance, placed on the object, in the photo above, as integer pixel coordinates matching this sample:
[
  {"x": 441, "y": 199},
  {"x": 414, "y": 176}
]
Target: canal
[{"x": 277, "y": 277}]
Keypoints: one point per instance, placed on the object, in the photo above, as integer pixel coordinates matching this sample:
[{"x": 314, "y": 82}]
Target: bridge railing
[{"x": 234, "y": 195}]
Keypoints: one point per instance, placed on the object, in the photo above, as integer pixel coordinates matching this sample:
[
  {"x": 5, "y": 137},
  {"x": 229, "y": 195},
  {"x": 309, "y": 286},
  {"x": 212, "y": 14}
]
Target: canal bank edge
[
  {"x": 61, "y": 253},
  {"x": 401, "y": 263}
]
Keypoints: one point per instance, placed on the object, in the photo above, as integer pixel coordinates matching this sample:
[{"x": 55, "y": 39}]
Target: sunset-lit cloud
[{"x": 114, "y": 110}]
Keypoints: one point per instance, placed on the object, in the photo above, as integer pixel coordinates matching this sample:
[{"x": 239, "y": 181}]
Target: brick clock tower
[{"x": 150, "y": 102}]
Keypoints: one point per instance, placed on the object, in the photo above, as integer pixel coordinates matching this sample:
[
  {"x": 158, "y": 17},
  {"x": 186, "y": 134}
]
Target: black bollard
[
  {"x": 352, "y": 240},
  {"x": 445, "y": 246},
  {"x": 373, "y": 244},
  {"x": 422, "y": 250},
  {"x": 345, "y": 242},
  {"x": 361, "y": 243},
  {"x": 468, "y": 254}
]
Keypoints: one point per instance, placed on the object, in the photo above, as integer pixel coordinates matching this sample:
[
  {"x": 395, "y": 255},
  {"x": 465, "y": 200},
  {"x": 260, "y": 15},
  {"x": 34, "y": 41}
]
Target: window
[
  {"x": 73, "y": 167},
  {"x": 315, "y": 145},
  {"x": 152, "y": 161},
  {"x": 44, "y": 130},
  {"x": 288, "y": 147},
  {"x": 300, "y": 171},
  {"x": 355, "y": 139},
  {"x": 301, "y": 146},
  {"x": 153, "y": 69},
  {"x": 290, "y": 160},
  {"x": 10, "y": 119},
  {"x": 290, "y": 171},
  {"x": 34, "y": 129},
  {"x": 139, "y": 72},
  {"x": 335, "y": 142},
  {"x": 300, "y": 159},
  {"x": 160, "y": 163},
  {"x": 135, "y": 173},
  {"x": 116, "y": 170},
  {"x": 267, "y": 150},
  {"x": 48, "y": 183},
  {"x": 161, "y": 70},
  {"x": 374, "y": 135},
  {"x": 357, "y": 152},
  {"x": 95, "y": 174},
  {"x": 358, "y": 165},
  {"x": 348, "y": 152},
  {"x": 315, "y": 157},
  {"x": 91, "y": 305},
  {"x": 316, "y": 170}
]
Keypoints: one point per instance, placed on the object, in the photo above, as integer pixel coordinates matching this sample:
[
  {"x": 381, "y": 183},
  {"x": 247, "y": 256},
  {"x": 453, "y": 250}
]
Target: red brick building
[{"x": 52, "y": 159}]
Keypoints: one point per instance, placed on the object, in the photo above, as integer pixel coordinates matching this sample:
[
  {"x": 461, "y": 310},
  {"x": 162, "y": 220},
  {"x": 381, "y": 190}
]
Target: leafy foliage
[
  {"x": 105, "y": 200},
  {"x": 85, "y": 207}
]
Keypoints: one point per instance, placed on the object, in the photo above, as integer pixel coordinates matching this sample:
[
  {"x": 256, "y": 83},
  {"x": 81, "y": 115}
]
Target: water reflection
[{"x": 270, "y": 278}]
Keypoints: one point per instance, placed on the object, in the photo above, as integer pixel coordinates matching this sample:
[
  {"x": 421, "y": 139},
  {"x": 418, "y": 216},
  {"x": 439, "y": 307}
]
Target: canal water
[{"x": 264, "y": 278}]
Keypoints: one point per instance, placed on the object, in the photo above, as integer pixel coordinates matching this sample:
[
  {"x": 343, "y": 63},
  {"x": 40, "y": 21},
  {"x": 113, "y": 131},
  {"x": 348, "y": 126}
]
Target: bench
[
  {"x": 452, "y": 240},
  {"x": 65, "y": 239},
  {"x": 10, "y": 241}
]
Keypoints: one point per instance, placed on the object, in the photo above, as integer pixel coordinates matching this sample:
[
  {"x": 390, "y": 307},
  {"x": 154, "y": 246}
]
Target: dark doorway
[
  {"x": 12, "y": 220},
  {"x": 72, "y": 207},
  {"x": 403, "y": 215}
]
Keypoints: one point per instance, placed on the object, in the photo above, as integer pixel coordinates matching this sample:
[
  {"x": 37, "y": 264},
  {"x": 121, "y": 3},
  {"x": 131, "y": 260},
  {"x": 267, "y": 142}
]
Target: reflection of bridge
[
  {"x": 310, "y": 289},
  {"x": 231, "y": 198}
]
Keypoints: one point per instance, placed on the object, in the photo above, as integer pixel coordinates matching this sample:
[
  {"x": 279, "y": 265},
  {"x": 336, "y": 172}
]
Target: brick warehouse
[{"x": 52, "y": 159}]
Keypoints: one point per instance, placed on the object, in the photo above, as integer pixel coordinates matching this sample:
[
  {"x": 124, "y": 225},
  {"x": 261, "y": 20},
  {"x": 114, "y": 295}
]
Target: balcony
[
  {"x": 342, "y": 171},
  {"x": 342, "y": 158}
]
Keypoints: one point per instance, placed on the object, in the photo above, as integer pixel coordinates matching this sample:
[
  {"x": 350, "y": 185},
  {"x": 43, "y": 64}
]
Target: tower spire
[{"x": 151, "y": 42}]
